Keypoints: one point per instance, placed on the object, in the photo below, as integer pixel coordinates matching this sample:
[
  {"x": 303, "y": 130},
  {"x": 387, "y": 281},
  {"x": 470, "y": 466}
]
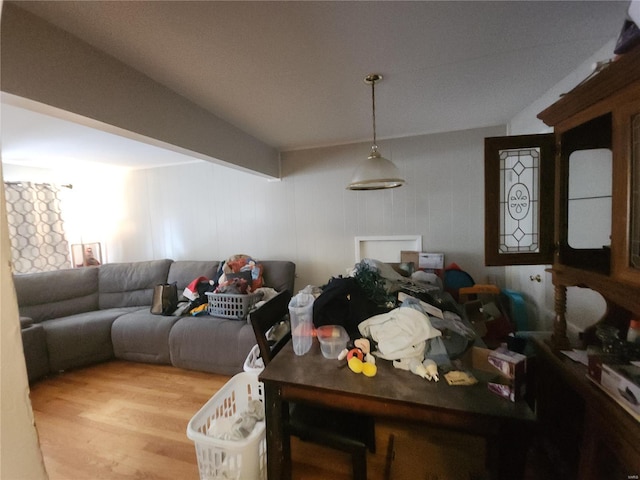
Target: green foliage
[{"x": 373, "y": 284}]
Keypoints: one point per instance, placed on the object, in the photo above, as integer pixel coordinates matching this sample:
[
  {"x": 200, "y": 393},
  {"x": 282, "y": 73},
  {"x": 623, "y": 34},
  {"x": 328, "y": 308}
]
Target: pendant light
[{"x": 376, "y": 172}]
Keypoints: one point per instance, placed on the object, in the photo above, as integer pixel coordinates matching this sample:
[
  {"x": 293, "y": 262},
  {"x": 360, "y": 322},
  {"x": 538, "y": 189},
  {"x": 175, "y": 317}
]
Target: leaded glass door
[{"x": 519, "y": 200}]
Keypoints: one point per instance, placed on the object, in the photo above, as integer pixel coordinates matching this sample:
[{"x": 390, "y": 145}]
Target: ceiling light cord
[{"x": 373, "y": 104}]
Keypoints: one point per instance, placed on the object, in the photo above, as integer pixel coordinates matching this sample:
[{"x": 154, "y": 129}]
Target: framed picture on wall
[{"x": 86, "y": 254}]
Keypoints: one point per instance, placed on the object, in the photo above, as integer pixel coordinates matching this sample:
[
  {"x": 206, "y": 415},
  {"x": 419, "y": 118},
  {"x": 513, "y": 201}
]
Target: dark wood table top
[{"x": 391, "y": 392}]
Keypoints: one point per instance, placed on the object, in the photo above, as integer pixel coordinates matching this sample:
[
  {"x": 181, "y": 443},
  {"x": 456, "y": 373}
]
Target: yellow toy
[{"x": 359, "y": 358}]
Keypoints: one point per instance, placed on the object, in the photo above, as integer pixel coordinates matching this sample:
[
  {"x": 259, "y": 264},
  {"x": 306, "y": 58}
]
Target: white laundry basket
[{"x": 244, "y": 459}]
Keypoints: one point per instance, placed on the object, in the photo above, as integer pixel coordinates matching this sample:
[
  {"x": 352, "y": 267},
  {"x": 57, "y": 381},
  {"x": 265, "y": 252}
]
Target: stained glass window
[{"x": 519, "y": 200}]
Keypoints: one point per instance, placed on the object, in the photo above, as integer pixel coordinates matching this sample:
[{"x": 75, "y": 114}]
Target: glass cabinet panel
[
  {"x": 519, "y": 200},
  {"x": 589, "y": 202},
  {"x": 585, "y": 195}
]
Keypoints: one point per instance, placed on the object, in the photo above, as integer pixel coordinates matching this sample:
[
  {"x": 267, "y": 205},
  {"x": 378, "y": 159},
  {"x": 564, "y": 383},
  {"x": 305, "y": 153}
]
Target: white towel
[{"x": 399, "y": 333}]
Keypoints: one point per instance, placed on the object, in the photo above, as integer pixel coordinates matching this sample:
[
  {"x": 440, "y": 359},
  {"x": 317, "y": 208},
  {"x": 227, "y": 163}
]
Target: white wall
[
  {"x": 204, "y": 211},
  {"x": 20, "y": 456}
]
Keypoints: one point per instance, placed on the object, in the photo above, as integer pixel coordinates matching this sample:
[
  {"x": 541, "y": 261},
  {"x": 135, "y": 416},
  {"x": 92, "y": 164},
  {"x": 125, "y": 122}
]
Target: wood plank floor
[
  {"x": 124, "y": 420},
  {"x": 120, "y": 420}
]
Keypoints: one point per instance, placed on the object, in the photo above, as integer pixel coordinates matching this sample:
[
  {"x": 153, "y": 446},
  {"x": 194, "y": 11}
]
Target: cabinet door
[
  {"x": 519, "y": 200},
  {"x": 626, "y": 227},
  {"x": 634, "y": 186}
]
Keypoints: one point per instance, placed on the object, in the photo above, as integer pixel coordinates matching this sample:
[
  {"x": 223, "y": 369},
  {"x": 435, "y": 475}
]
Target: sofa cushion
[
  {"x": 55, "y": 294},
  {"x": 183, "y": 272},
  {"x": 79, "y": 340},
  {"x": 279, "y": 274},
  {"x": 141, "y": 336},
  {"x": 130, "y": 284},
  {"x": 211, "y": 344}
]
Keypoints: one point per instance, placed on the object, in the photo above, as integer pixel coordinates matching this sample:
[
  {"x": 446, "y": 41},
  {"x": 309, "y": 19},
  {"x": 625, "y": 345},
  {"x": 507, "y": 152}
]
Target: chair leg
[{"x": 360, "y": 464}]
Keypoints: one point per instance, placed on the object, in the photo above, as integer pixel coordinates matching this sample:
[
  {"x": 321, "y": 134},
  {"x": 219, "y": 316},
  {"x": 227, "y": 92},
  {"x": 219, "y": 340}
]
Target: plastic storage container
[
  {"x": 333, "y": 339},
  {"x": 231, "y": 305},
  {"x": 244, "y": 459},
  {"x": 301, "y": 316}
]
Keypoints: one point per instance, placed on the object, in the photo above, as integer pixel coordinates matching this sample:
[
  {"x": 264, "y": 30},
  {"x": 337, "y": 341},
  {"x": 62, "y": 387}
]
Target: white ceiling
[{"x": 291, "y": 73}]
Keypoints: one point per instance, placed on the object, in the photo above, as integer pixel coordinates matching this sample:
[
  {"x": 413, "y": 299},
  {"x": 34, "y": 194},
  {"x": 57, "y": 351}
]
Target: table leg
[{"x": 278, "y": 440}]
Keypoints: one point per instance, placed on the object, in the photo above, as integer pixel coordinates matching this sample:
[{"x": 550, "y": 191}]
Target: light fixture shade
[{"x": 376, "y": 173}]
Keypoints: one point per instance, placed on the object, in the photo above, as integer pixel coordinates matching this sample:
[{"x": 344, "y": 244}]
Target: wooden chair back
[{"x": 270, "y": 316}]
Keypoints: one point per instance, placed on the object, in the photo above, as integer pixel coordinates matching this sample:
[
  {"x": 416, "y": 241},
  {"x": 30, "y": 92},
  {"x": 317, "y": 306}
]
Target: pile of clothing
[
  {"x": 413, "y": 340},
  {"x": 239, "y": 274},
  {"x": 239, "y": 426},
  {"x": 413, "y": 336}
]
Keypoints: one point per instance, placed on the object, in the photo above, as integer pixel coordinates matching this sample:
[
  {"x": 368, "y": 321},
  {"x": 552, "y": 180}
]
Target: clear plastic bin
[
  {"x": 333, "y": 339},
  {"x": 244, "y": 459}
]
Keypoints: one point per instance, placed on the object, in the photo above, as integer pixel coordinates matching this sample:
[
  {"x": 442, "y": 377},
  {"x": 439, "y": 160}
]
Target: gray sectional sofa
[{"x": 77, "y": 317}]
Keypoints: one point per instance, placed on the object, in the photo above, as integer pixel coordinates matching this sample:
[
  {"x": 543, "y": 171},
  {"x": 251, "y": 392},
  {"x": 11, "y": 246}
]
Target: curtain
[{"x": 36, "y": 229}]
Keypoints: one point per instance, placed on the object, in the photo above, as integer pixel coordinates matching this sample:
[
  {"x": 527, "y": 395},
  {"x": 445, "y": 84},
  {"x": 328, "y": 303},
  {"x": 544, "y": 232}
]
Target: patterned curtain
[{"x": 38, "y": 241}]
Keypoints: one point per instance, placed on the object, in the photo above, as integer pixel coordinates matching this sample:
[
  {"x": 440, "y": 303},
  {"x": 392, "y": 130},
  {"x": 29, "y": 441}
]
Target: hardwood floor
[
  {"x": 124, "y": 420},
  {"x": 120, "y": 420}
]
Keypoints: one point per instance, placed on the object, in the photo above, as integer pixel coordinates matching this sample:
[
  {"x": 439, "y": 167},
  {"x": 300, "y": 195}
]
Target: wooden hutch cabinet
[
  {"x": 530, "y": 208},
  {"x": 603, "y": 112},
  {"x": 596, "y": 132}
]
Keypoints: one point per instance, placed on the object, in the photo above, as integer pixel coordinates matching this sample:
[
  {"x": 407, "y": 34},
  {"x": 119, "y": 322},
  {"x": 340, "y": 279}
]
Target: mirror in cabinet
[
  {"x": 585, "y": 163},
  {"x": 589, "y": 199}
]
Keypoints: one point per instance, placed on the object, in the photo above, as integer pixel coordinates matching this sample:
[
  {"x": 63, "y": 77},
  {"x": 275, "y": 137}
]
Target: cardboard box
[
  {"x": 510, "y": 369},
  {"x": 595, "y": 359},
  {"x": 431, "y": 261},
  {"x": 408, "y": 256},
  {"x": 423, "y": 260},
  {"x": 622, "y": 382}
]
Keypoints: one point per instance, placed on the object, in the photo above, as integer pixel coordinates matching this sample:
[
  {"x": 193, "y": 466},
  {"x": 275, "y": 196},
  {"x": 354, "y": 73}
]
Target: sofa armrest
[
  {"x": 25, "y": 322},
  {"x": 279, "y": 274}
]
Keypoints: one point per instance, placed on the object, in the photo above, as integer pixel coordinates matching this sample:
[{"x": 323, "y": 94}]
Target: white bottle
[{"x": 633, "y": 334}]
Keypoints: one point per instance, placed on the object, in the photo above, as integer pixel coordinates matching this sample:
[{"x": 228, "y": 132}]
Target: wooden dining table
[{"x": 393, "y": 394}]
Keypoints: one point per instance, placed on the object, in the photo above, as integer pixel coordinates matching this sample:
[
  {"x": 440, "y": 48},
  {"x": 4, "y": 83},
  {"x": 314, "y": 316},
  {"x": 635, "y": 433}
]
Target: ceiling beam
[{"x": 48, "y": 65}]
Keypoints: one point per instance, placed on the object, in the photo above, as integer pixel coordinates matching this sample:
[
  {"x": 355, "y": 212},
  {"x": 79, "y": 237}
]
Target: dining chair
[{"x": 340, "y": 430}]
